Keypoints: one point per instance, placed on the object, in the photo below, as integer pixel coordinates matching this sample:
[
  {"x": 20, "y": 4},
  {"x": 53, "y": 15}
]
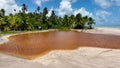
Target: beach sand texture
[{"x": 83, "y": 57}]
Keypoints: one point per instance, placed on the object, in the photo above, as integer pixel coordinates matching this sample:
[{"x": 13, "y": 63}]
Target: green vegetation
[
  {"x": 10, "y": 32},
  {"x": 40, "y": 21}
]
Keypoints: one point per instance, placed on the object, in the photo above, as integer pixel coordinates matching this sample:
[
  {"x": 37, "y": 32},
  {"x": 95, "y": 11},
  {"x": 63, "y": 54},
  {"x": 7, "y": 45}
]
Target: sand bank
[
  {"x": 110, "y": 31},
  {"x": 84, "y": 57},
  {"x": 4, "y": 39}
]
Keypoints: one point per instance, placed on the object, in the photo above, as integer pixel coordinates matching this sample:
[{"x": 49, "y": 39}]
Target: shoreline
[
  {"x": 97, "y": 30},
  {"x": 4, "y": 38},
  {"x": 105, "y": 30},
  {"x": 83, "y": 57}
]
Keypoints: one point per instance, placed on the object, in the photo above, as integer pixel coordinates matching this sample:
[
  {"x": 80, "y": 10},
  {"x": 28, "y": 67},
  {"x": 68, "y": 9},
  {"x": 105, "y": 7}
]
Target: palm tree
[
  {"x": 65, "y": 21},
  {"x": 78, "y": 23},
  {"x": 24, "y": 8},
  {"x": 90, "y": 22},
  {"x": 38, "y": 9},
  {"x": 2, "y": 12},
  {"x": 44, "y": 18},
  {"x": 72, "y": 21},
  {"x": 45, "y": 11},
  {"x": 25, "y": 21},
  {"x": 52, "y": 20},
  {"x": 84, "y": 21}
]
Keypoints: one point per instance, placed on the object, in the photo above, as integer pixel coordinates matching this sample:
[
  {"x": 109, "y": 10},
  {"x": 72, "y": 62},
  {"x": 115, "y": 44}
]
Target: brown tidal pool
[{"x": 32, "y": 45}]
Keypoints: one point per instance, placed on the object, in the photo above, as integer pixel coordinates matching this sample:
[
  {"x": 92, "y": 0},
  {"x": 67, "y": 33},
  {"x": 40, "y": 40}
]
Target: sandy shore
[
  {"x": 82, "y": 57},
  {"x": 4, "y": 39},
  {"x": 111, "y": 31}
]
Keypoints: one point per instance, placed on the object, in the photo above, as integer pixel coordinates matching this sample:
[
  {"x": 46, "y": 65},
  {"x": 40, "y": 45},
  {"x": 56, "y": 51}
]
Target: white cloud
[
  {"x": 50, "y": 11},
  {"x": 103, "y": 3},
  {"x": 9, "y": 6},
  {"x": 107, "y": 3},
  {"x": 102, "y": 13},
  {"x": 101, "y": 16},
  {"x": 83, "y": 11},
  {"x": 65, "y": 8},
  {"x": 39, "y": 2},
  {"x": 116, "y": 2}
]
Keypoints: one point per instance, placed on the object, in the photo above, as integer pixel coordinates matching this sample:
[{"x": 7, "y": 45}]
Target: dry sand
[{"x": 82, "y": 57}]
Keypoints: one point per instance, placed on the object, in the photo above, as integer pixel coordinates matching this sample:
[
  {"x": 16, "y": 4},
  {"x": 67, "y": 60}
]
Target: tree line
[{"x": 40, "y": 21}]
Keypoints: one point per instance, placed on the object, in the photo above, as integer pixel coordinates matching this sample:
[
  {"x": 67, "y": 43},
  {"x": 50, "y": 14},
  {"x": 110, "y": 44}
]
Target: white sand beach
[{"x": 83, "y": 57}]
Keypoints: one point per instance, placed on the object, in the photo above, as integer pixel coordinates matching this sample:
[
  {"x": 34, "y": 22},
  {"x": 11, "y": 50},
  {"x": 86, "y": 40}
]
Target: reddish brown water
[{"x": 33, "y": 45}]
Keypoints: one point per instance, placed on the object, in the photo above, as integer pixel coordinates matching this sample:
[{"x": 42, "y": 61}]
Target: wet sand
[{"x": 33, "y": 45}]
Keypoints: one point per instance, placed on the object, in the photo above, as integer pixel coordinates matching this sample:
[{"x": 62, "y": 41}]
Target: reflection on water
[{"x": 35, "y": 44}]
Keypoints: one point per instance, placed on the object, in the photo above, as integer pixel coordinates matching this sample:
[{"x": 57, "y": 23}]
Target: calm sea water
[{"x": 117, "y": 26}]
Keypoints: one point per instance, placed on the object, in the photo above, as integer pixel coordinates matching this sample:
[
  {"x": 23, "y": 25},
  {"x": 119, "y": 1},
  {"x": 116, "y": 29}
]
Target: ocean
[{"x": 116, "y": 26}]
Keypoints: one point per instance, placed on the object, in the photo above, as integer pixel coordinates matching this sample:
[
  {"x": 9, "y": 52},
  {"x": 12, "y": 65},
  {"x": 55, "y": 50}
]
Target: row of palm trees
[{"x": 39, "y": 20}]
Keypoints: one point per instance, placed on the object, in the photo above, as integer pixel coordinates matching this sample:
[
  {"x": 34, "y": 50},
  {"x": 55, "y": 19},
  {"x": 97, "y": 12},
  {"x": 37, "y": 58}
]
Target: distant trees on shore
[{"x": 39, "y": 20}]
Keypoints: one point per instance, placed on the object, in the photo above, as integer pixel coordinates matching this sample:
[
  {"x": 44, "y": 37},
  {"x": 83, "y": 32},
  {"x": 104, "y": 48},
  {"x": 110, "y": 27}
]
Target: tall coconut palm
[
  {"x": 90, "y": 22},
  {"x": 45, "y": 11},
  {"x": 24, "y": 17},
  {"x": 44, "y": 18},
  {"x": 78, "y": 22},
  {"x": 2, "y": 12},
  {"x": 65, "y": 21},
  {"x": 24, "y": 8},
  {"x": 84, "y": 21},
  {"x": 52, "y": 20},
  {"x": 38, "y": 9},
  {"x": 71, "y": 21}
]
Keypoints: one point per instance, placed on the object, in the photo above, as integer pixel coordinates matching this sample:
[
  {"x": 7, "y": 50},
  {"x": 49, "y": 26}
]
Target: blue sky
[{"x": 105, "y": 12}]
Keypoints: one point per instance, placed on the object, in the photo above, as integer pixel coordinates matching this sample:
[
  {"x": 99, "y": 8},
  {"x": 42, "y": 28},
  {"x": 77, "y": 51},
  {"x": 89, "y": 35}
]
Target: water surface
[{"x": 32, "y": 45}]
